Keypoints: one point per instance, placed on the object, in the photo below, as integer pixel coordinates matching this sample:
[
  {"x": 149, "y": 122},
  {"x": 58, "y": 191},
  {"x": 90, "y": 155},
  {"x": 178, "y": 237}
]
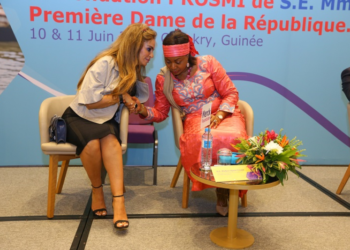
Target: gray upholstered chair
[
  {"x": 247, "y": 112},
  {"x": 64, "y": 151}
]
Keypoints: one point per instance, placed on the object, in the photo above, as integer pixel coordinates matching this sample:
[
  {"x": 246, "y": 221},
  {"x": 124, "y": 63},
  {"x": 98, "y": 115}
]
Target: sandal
[
  {"x": 120, "y": 221},
  {"x": 100, "y": 209}
]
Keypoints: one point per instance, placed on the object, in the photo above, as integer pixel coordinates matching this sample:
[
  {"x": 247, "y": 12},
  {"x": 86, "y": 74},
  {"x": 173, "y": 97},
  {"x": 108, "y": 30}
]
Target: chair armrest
[
  {"x": 177, "y": 126},
  {"x": 124, "y": 128},
  {"x": 250, "y": 124},
  {"x": 248, "y": 114},
  {"x": 44, "y": 121}
]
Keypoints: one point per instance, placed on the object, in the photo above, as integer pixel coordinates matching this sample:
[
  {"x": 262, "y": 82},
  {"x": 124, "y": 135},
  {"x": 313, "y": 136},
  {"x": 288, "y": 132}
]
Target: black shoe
[
  {"x": 120, "y": 221},
  {"x": 100, "y": 209}
]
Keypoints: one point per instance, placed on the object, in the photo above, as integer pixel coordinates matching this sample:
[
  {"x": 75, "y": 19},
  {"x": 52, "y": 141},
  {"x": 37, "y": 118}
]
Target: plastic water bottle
[{"x": 207, "y": 148}]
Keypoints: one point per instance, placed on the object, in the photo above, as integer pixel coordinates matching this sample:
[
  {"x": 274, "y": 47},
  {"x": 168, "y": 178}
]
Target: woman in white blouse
[{"x": 92, "y": 118}]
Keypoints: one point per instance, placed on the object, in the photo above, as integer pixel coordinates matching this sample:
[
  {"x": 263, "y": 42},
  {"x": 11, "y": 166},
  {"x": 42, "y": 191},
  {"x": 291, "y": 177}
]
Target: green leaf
[
  {"x": 271, "y": 172},
  {"x": 294, "y": 171},
  {"x": 281, "y": 177},
  {"x": 289, "y": 153},
  {"x": 285, "y": 159}
]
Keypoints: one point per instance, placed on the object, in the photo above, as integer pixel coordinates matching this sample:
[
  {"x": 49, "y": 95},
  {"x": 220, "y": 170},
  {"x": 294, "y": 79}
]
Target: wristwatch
[{"x": 220, "y": 117}]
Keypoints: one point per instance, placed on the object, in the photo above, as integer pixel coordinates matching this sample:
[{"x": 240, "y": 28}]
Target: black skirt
[{"x": 80, "y": 131}]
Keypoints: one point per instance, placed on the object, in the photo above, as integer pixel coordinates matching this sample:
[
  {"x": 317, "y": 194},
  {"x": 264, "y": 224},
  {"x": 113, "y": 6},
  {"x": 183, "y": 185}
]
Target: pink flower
[
  {"x": 271, "y": 135},
  {"x": 268, "y": 137},
  {"x": 282, "y": 164},
  {"x": 296, "y": 160}
]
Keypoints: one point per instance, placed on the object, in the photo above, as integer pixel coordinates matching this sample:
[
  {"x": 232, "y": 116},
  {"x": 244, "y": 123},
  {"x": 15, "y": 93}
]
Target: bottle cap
[{"x": 207, "y": 129}]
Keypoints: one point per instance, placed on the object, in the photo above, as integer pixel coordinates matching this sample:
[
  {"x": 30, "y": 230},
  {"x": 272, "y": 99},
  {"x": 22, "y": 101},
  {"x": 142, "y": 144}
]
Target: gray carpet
[
  {"x": 270, "y": 233},
  {"x": 297, "y": 215},
  {"x": 37, "y": 234}
]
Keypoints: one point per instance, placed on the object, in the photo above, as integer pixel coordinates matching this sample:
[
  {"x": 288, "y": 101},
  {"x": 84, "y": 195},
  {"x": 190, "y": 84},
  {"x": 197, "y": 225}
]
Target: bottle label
[{"x": 207, "y": 144}]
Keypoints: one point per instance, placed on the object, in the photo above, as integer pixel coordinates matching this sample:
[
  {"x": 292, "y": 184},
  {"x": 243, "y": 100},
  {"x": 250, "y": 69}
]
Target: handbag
[{"x": 57, "y": 129}]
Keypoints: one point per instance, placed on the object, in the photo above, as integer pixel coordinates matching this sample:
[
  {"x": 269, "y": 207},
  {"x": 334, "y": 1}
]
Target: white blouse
[{"x": 101, "y": 79}]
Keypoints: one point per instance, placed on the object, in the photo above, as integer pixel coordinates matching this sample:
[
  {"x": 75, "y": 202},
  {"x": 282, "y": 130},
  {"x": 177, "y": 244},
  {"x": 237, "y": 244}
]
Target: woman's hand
[
  {"x": 137, "y": 104},
  {"x": 130, "y": 103},
  {"x": 127, "y": 99},
  {"x": 215, "y": 120}
]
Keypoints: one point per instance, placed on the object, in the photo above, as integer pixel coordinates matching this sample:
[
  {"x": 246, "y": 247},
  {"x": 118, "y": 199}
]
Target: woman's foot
[
  {"x": 98, "y": 205},
  {"x": 120, "y": 218},
  {"x": 221, "y": 204}
]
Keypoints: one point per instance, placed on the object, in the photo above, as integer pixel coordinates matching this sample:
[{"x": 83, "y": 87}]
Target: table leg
[{"x": 231, "y": 236}]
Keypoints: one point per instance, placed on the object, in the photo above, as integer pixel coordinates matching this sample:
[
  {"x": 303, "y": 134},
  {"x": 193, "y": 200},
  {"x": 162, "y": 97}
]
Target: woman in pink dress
[{"x": 187, "y": 83}]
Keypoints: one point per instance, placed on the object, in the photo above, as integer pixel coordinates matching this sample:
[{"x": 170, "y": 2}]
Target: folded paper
[{"x": 236, "y": 173}]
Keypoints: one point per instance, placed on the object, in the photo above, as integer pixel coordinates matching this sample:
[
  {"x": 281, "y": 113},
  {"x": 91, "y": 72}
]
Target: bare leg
[
  {"x": 221, "y": 204},
  {"x": 113, "y": 161},
  {"x": 92, "y": 161}
]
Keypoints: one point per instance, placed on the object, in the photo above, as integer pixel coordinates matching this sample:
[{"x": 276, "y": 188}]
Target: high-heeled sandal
[
  {"x": 222, "y": 197},
  {"x": 100, "y": 209},
  {"x": 120, "y": 221}
]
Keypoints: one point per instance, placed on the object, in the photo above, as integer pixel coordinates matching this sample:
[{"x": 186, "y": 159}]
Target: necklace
[{"x": 186, "y": 81}]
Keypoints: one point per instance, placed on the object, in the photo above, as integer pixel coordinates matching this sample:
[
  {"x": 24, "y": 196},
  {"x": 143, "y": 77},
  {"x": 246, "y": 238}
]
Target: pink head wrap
[
  {"x": 176, "y": 50},
  {"x": 180, "y": 49}
]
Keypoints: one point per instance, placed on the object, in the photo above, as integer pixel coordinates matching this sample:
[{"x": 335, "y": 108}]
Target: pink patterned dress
[{"x": 210, "y": 83}]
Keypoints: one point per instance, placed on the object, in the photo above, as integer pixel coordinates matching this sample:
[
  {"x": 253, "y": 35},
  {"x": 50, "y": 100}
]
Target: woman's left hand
[{"x": 215, "y": 120}]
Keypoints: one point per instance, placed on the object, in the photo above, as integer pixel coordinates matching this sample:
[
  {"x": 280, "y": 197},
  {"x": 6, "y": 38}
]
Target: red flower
[{"x": 271, "y": 135}]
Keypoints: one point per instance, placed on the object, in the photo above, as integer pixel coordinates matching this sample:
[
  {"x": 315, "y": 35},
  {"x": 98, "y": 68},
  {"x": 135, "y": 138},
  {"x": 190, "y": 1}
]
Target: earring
[{"x": 188, "y": 64}]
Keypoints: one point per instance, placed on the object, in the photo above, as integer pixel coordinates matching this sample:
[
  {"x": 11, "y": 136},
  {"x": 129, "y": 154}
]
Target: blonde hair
[{"x": 125, "y": 50}]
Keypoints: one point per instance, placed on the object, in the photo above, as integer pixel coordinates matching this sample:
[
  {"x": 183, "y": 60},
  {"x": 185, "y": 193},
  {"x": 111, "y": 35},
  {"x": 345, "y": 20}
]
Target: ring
[{"x": 215, "y": 121}]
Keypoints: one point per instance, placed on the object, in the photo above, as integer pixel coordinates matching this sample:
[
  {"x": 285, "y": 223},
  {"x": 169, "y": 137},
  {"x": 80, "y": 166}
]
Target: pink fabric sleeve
[
  {"x": 160, "y": 111},
  {"x": 223, "y": 85}
]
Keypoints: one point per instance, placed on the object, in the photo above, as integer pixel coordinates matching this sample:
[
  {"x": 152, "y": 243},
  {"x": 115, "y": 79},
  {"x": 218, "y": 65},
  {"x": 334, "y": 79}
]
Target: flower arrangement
[{"x": 270, "y": 153}]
